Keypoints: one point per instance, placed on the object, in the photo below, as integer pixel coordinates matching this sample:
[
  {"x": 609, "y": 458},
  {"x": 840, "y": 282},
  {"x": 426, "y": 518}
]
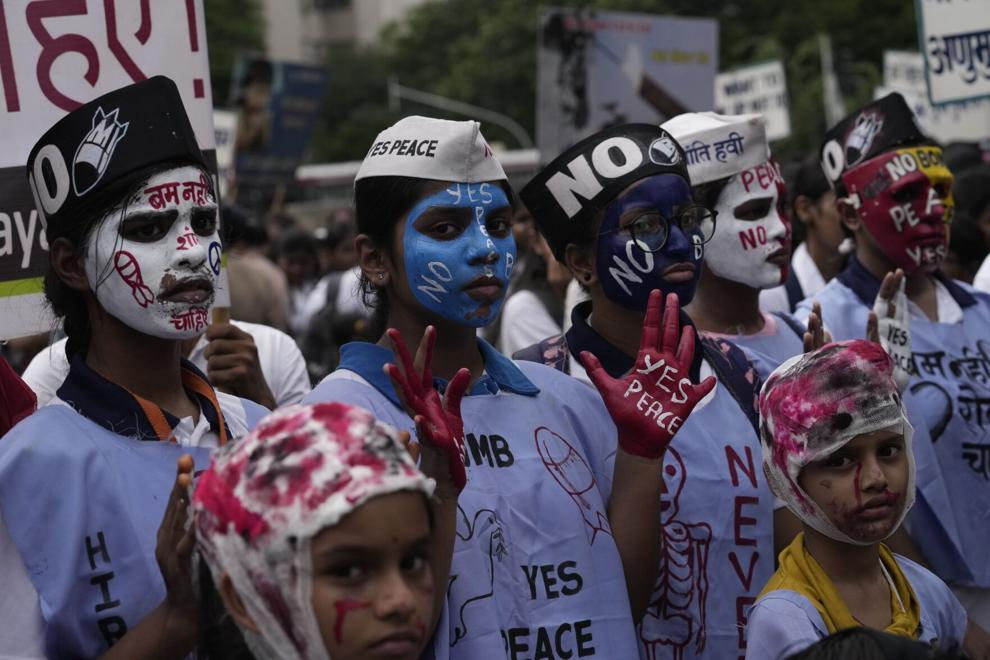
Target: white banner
[
  {"x": 225, "y": 130},
  {"x": 761, "y": 89},
  {"x": 598, "y": 69},
  {"x": 54, "y": 57},
  {"x": 954, "y": 36},
  {"x": 963, "y": 121}
]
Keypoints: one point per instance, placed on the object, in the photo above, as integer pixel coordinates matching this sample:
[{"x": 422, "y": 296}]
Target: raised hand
[
  {"x": 438, "y": 421},
  {"x": 651, "y": 402},
  {"x": 176, "y": 539},
  {"x": 815, "y": 336},
  {"x": 888, "y": 325}
]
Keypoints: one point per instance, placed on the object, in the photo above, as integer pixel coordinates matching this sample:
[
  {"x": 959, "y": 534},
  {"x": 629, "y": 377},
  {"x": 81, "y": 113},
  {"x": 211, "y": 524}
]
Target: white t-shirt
[
  {"x": 525, "y": 321},
  {"x": 281, "y": 362},
  {"x": 23, "y": 627},
  {"x": 982, "y": 279}
]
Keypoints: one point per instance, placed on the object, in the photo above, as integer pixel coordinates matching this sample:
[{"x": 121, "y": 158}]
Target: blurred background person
[{"x": 259, "y": 290}]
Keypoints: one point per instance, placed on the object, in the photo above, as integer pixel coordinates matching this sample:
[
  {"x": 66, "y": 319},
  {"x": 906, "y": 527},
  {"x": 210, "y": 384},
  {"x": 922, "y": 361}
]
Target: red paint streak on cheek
[
  {"x": 343, "y": 607},
  {"x": 891, "y": 498},
  {"x": 856, "y": 486}
]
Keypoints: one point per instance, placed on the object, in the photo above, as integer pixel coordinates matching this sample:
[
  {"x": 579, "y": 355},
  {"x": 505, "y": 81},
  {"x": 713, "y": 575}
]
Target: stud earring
[{"x": 381, "y": 276}]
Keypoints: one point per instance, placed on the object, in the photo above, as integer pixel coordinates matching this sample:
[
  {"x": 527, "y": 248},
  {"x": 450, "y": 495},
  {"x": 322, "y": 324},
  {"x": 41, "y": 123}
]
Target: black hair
[
  {"x": 297, "y": 240},
  {"x": 967, "y": 241},
  {"x": 971, "y": 190},
  {"x": 960, "y": 156},
  {"x": 67, "y": 303},
  {"x": 379, "y": 203},
  {"x": 868, "y": 644},
  {"x": 219, "y": 636}
]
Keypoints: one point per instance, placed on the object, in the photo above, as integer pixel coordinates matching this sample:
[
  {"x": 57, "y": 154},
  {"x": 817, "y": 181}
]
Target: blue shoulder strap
[
  {"x": 734, "y": 370},
  {"x": 791, "y": 323},
  {"x": 794, "y": 292}
]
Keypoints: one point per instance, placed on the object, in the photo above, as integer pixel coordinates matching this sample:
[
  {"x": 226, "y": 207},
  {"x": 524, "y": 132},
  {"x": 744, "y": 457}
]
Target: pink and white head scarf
[
  {"x": 264, "y": 497},
  {"x": 815, "y": 403}
]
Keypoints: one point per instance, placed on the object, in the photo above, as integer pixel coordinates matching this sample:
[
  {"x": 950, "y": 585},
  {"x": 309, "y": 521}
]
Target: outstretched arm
[
  {"x": 648, "y": 405},
  {"x": 440, "y": 432}
]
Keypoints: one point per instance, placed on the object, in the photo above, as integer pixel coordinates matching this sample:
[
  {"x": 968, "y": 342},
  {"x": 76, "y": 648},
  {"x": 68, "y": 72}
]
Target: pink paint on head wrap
[
  {"x": 263, "y": 498},
  {"x": 813, "y": 404}
]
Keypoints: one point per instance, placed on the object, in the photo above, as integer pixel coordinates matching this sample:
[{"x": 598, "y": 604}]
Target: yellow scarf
[{"x": 800, "y": 572}]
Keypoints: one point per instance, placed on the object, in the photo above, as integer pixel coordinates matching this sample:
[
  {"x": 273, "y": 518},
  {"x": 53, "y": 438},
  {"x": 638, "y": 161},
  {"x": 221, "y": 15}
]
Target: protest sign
[
  {"x": 225, "y": 129},
  {"x": 598, "y": 69},
  {"x": 54, "y": 57},
  {"x": 967, "y": 121},
  {"x": 761, "y": 89},
  {"x": 278, "y": 105},
  {"x": 954, "y": 36}
]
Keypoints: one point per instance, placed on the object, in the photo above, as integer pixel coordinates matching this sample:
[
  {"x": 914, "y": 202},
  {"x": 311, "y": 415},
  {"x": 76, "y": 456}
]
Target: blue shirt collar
[
  {"x": 866, "y": 286},
  {"x": 118, "y": 410},
  {"x": 582, "y": 337},
  {"x": 367, "y": 360}
]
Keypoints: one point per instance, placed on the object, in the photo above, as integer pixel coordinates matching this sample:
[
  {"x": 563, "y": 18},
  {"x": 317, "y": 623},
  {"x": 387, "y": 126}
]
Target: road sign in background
[
  {"x": 54, "y": 57},
  {"x": 954, "y": 36},
  {"x": 598, "y": 69},
  {"x": 762, "y": 89}
]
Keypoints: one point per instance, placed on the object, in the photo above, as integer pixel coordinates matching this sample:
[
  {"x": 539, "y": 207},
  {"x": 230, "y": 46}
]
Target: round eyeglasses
[{"x": 650, "y": 230}]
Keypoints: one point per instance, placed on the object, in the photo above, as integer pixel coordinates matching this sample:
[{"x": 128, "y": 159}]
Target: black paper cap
[
  {"x": 567, "y": 194},
  {"x": 102, "y": 147},
  {"x": 877, "y": 127}
]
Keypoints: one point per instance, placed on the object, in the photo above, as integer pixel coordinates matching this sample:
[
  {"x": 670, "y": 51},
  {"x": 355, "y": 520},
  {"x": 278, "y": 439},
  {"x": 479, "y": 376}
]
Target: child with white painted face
[
  {"x": 130, "y": 218},
  {"x": 894, "y": 195},
  {"x": 836, "y": 445},
  {"x": 553, "y": 542},
  {"x": 617, "y": 208},
  {"x": 732, "y": 171}
]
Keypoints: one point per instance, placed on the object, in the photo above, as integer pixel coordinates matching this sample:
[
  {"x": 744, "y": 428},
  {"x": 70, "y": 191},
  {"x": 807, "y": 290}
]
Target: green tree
[
  {"x": 231, "y": 26},
  {"x": 485, "y": 53}
]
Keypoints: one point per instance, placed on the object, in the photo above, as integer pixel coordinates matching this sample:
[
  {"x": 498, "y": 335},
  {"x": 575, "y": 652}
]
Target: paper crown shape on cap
[
  {"x": 97, "y": 149},
  {"x": 428, "y": 148},
  {"x": 718, "y": 146},
  {"x": 568, "y": 193},
  {"x": 877, "y": 127}
]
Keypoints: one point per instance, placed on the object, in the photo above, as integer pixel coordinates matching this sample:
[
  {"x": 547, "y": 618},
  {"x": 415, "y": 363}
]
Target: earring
[{"x": 381, "y": 276}]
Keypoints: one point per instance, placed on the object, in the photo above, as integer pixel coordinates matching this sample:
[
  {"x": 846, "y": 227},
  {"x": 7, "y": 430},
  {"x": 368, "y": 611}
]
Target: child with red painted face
[
  {"x": 836, "y": 447},
  {"x": 894, "y": 193},
  {"x": 322, "y": 539},
  {"x": 617, "y": 209}
]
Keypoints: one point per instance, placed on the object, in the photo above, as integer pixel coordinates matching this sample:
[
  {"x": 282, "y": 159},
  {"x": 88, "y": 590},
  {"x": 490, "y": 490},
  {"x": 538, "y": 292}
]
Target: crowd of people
[{"x": 621, "y": 412}]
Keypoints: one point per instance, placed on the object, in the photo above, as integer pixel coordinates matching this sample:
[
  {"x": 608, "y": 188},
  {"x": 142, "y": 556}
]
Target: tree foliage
[
  {"x": 231, "y": 26},
  {"x": 484, "y": 53}
]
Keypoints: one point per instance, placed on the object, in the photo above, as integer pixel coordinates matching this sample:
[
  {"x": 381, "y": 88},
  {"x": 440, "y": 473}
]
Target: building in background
[{"x": 303, "y": 30}]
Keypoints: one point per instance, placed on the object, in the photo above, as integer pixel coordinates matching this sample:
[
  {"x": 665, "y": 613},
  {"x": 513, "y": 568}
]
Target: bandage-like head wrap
[
  {"x": 263, "y": 499},
  {"x": 815, "y": 403}
]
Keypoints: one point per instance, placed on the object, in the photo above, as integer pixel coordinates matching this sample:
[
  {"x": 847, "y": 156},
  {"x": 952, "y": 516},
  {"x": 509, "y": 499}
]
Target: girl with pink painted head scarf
[
  {"x": 837, "y": 450},
  {"x": 318, "y": 532}
]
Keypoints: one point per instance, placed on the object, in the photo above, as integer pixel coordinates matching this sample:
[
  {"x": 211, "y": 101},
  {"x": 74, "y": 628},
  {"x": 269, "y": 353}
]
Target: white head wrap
[
  {"x": 815, "y": 403},
  {"x": 264, "y": 497},
  {"x": 427, "y": 148}
]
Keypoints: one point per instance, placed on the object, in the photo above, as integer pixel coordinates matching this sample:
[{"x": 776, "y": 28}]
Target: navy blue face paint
[
  {"x": 627, "y": 268},
  {"x": 462, "y": 277}
]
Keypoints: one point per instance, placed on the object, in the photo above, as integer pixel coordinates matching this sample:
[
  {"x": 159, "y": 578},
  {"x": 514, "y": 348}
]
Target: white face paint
[
  {"x": 751, "y": 229},
  {"x": 153, "y": 261}
]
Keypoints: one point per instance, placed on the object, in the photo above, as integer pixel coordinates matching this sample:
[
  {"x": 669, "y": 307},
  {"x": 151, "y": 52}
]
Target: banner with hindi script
[
  {"x": 954, "y": 36},
  {"x": 55, "y": 56},
  {"x": 598, "y": 69},
  {"x": 967, "y": 121},
  {"x": 760, "y": 89}
]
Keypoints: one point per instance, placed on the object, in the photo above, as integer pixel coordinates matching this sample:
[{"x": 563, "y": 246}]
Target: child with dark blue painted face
[{"x": 617, "y": 209}]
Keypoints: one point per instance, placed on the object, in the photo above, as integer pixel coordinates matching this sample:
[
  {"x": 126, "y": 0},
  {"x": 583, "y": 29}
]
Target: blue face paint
[
  {"x": 627, "y": 271},
  {"x": 440, "y": 272}
]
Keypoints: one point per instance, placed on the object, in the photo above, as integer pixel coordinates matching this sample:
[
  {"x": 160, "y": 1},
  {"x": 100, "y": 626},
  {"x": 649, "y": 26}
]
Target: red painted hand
[
  {"x": 651, "y": 402},
  {"x": 438, "y": 421}
]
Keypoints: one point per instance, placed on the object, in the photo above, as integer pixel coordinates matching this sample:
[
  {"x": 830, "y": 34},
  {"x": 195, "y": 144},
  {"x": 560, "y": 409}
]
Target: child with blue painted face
[
  {"x": 557, "y": 527},
  {"x": 617, "y": 208},
  {"x": 130, "y": 216}
]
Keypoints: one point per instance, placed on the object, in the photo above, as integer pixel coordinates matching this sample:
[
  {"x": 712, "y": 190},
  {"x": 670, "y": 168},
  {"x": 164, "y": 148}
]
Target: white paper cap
[
  {"x": 427, "y": 148},
  {"x": 718, "y": 146}
]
